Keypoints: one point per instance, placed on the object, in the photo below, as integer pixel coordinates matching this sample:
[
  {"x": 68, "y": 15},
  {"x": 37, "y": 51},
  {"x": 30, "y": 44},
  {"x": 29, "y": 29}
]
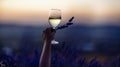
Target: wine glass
[{"x": 54, "y": 20}]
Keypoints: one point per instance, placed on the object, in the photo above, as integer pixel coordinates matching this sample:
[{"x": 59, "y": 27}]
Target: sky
[{"x": 36, "y": 12}]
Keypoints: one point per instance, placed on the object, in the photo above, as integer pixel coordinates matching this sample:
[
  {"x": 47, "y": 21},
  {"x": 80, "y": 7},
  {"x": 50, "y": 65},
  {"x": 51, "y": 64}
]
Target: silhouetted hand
[{"x": 48, "y": 34}]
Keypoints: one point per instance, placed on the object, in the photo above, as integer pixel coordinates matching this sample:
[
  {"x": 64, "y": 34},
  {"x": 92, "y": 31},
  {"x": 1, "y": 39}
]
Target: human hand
[{"x": 48, "y": 34}]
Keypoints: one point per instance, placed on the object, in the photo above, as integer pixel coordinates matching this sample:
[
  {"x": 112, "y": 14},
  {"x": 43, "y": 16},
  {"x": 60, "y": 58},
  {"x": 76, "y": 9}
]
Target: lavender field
[{"x": 80, "y": 46}]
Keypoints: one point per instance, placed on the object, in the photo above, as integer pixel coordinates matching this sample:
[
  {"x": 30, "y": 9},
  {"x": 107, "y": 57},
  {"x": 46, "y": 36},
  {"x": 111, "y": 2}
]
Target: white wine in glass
[{"x": 54, "y": 20}]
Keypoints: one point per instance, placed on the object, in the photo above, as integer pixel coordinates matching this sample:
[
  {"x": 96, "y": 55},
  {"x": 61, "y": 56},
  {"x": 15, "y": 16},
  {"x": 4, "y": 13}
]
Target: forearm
[{"x": 45, "y": 58}]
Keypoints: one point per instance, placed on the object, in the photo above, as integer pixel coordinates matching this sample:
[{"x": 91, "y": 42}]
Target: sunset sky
[{"x": 37, "y": 11}]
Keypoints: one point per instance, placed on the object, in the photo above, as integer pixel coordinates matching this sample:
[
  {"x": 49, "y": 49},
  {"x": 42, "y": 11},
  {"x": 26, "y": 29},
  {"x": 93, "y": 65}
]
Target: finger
[
  {"x": 53, "y": 30},
  {"x": 48, "y": 30},
  {"x": 45, "y": 30}
]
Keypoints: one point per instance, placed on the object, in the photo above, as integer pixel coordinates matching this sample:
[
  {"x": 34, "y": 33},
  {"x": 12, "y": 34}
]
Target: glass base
[{"x": 54, "y": 42}]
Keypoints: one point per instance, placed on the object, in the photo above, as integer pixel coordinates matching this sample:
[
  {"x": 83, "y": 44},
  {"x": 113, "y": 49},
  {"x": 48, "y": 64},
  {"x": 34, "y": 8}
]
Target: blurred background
[{"x": 95, "y": 33}]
